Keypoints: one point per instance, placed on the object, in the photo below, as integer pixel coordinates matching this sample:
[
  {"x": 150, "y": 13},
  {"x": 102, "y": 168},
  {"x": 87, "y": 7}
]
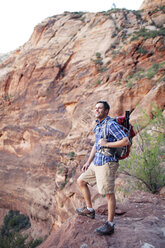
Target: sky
[{"x": 19, "y": 17}]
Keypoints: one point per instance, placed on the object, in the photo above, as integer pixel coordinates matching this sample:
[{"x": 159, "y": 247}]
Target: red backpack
[{"x": 126, "y": 126}]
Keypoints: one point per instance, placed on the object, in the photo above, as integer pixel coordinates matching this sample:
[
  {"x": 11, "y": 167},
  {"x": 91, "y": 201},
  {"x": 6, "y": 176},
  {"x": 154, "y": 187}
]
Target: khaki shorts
[{"x": 104, "y": 176}]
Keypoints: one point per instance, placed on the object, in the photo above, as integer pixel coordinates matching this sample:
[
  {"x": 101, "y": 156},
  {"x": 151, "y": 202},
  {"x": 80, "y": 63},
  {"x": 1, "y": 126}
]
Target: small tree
[
  {"x": 145, "y": 162},
  {"x": 10, "y": 236}
]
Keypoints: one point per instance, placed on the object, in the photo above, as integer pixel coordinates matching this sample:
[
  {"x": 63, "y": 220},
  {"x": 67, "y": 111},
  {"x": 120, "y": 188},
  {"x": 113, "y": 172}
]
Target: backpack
[{"x": 120, "y": 152}]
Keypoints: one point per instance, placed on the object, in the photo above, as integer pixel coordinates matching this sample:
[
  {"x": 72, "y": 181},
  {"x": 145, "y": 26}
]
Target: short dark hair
[{"x": 106, "y": 105}]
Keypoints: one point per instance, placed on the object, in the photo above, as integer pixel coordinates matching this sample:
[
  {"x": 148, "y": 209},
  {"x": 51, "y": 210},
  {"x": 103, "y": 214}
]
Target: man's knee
[
  {"x": 110, "y": 196},
  {"x": 81, "y": 183}
]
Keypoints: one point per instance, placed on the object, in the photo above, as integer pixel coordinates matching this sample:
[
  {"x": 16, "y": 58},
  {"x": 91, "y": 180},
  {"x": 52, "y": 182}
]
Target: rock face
[
  {"x": 151, "y": 9},
  {"x": 139, "y": 223},
  {"x": 4, "y": 56},
  {"x": 48, "y": 90},
  {"x": 150, "y": 4}
]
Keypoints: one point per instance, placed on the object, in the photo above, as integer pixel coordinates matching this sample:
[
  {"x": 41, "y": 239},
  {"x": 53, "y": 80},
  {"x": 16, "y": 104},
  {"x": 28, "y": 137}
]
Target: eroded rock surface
[
  {"x": 139, "y": 223},
  {"x": 150, "y": 4}
]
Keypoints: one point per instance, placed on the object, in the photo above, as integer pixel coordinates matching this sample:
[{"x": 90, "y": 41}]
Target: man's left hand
[{"x": 102, "y": 142}]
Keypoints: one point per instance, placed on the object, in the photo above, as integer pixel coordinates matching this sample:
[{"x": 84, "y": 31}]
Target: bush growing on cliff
[
  {"x": 14, "y": 222},
  {"x": 142, "y": 50},
  {"x": 146, "y": 34},
  {"x": 145, "y": 163},
  {"x": 99, "y": 62},
  {"x": 149, "y": 73},
  {"x": 137, "y": 13},
  {"x": 161, "y": 8},
  {"x": 71, "y": 154}
]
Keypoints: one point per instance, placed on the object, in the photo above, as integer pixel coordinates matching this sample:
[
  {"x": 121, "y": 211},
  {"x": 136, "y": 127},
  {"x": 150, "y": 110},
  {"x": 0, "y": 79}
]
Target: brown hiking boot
[
  {"x": 85, "y": 212},
  {"x": 106, "y": 229}
]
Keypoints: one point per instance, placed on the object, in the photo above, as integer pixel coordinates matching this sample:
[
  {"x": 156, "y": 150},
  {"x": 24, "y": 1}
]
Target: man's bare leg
[
  {"x": 108, "y": 227},
  {"x": 111, "y": 206},
  {"x": 85, "y": 192}
]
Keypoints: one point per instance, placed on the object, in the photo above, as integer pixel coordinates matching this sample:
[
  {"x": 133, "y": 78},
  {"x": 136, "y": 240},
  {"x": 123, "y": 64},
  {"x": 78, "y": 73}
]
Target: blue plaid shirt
[{"x": 113, "y": 133}]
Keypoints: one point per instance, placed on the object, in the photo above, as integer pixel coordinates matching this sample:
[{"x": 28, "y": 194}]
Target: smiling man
[{"x": 101, "y": 167}]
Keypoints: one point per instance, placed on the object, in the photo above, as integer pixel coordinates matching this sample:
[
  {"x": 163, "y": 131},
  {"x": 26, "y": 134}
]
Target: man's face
[{"x": 100, "y": 112}]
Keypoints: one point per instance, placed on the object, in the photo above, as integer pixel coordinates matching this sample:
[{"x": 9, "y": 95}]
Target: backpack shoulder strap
[{"x": 105, "y": 125}]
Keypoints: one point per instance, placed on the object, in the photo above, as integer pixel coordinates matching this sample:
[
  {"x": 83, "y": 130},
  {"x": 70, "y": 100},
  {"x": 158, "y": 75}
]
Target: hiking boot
[
  {"x": 85, "y": 212},
  {"x": 106, "y": 229}
]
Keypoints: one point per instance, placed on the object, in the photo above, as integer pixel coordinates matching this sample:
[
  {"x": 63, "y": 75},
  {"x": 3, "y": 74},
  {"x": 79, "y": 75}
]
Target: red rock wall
[{"x": 151, "y": 4}]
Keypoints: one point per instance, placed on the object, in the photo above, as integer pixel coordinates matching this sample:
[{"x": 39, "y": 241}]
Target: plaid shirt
[{"x": 113, "y": 133}]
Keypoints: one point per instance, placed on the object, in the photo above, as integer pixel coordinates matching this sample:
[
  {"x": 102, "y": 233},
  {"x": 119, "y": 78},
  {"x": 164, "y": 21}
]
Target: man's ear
[{"x": 107, "y": 111}]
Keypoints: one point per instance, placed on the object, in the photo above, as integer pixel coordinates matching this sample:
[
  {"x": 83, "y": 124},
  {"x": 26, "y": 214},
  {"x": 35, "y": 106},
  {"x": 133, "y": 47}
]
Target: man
[{"x": 101, "y": 168}]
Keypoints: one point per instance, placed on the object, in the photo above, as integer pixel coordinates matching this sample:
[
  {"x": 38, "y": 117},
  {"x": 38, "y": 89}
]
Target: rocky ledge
[{"x": 140, "y": 223}]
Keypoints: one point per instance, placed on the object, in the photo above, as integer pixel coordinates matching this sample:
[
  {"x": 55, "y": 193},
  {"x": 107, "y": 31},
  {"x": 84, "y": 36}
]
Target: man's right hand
[{"x": 85, "y": 167}]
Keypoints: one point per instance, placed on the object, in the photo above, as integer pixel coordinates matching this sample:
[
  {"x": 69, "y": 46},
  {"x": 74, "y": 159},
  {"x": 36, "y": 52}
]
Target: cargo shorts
[{"x": 103, "y": 176}]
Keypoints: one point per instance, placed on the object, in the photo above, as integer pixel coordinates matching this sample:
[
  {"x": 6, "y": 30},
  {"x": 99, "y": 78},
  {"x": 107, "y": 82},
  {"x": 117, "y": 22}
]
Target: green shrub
[
  {"x": 62, "y": 185},
  {"x": 98, "y": 82},
  {"x": 141, "y": 50},
  {"x": 16, "y": 240},
  {"x": 113, "y": 34},
  {"x": 145, "y": 161},
  {"x": 131, "y": 79},
  {"x": 113, "y": 45},
  {"x": 137, "y": 13},
  {"x": 116, "y": 52},
  {"x": 34, "y": 243},
  {"x": 77, "y": 15},
  {"x": 9, "y": 232},
  {"x": 152, "y": 71},
  {"x": 113, "y": 10},
  {"x": 71, "y": 154},
  {"x": 61, "y": 170},
  {"x": 98, "y": 55},
  {"x": 129, "y": 85},
  {"x": 98, "y": 60},
  {"x": 14, "y": 221},
  {"x": 146, "y": 34},
  {"x": 102, "y": 69},
  {"x": 161, "y": 8},
  {"x": 149, "y": 73}
]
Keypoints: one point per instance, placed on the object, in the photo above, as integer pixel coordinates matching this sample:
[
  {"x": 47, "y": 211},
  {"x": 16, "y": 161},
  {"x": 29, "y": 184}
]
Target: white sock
[
  {"x": 111, "y": 223},
  {"x": 90, "y": 209}
]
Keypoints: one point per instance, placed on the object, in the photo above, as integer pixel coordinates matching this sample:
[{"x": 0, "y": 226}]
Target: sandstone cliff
[
  {"x": 150, "y": 4},
  {"x": 48, "y": 89}
]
